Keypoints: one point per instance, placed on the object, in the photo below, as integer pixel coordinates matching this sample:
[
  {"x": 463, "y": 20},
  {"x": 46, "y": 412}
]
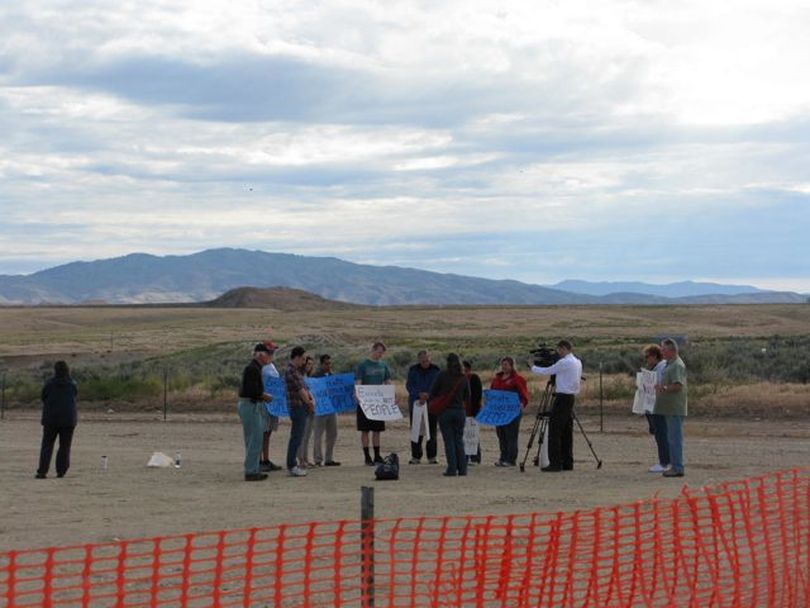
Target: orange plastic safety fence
[{"x": 738, "y": 544}]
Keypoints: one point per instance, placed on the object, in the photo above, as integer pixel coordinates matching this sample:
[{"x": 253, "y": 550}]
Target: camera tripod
[{"x": 541, "y": 426}]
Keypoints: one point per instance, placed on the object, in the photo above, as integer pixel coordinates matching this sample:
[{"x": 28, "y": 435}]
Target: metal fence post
[
  {"x": 601, "y": 402},
  {"x": 165, "y": 391},
  {"x": 367, "y": 546},
  {"x": 3, "y": 397}
]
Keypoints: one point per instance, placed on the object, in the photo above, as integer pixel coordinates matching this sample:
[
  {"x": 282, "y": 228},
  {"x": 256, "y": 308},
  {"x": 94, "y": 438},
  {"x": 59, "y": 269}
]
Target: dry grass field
[
  {"x": 94, "y": 337},
  {"x": 755, "y": 426},
  {"x": 41, "y": 332}
]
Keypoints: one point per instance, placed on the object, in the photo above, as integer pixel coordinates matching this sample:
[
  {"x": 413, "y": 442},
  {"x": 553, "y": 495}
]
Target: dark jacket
[
  {"x": 59, "y": 402},
  {"x": 476, "y": 392},
  {"x": 252, "y": 386},
  {"x": 420, "y": 380},
  {"x": 457, "y": 385}
]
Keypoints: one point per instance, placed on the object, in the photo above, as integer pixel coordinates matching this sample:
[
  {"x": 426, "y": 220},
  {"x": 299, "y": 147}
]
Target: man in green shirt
[
  {"x": 372, "y": 371},
  {"x": 671, "y": 402}
]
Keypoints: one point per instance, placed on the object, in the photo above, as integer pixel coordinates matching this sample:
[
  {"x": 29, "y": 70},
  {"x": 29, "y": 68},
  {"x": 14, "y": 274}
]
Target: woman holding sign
[
  {"x": 509, "y": 380},
  {"x": 452, "y": 388},
  {"x": 654, "y": 360}
]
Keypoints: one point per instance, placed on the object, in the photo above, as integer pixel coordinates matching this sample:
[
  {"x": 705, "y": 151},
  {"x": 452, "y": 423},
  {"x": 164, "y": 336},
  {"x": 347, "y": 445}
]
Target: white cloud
[{"x": 169, "y": 126}]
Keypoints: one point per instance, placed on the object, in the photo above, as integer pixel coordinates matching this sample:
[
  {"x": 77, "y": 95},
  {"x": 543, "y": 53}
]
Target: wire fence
[{"x": 743, "y": 543}]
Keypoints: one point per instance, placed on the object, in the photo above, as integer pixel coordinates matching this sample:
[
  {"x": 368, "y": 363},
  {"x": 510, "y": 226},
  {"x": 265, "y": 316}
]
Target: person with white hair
[{"x": 671, "y": 402}]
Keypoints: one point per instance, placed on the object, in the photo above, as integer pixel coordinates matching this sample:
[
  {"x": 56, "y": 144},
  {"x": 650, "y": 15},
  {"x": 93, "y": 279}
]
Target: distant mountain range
[{"x": 204, "y": 276}]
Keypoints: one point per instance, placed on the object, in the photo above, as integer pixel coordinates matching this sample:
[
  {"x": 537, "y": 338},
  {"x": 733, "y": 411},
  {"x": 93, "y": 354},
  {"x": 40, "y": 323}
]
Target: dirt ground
[{"x": 207, "y": 493}]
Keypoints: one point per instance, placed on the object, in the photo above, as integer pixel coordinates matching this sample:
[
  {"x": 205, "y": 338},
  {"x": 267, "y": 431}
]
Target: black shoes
[
  {"x": 378, "y": 460},
  {"x": 551, "y": 469},
  {"x": 255, "y": 476},
  {"x": 268, "y": 465},
  {"x": 369, "y": 461},
  {"x": 672, "y": 473},
  {"x": 41, "y": 476},
  {"x": 331, "y": 463}
]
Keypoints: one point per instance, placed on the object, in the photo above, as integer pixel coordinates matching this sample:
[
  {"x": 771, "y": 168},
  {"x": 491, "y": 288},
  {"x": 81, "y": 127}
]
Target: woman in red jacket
[{"x": 509, "y": 380}]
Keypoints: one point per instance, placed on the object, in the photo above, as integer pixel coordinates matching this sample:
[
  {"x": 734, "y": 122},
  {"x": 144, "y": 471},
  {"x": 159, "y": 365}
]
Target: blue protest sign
[
  {"x": 320, "y": 394},
  {"x": 278, "y": 389},
  {"x": 341, "y": 392},
  {"x": 332, "y": 393},
  {"x": 500, "y": 408}
]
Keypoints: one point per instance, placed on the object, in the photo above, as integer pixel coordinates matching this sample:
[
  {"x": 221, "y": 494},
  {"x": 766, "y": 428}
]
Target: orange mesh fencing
[{"x": 744, "y": 543}]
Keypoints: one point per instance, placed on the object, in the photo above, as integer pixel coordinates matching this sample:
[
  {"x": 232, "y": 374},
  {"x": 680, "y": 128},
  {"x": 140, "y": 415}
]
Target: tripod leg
[
  {"x": 588, "y": 441},
  {"x": 531, "y": 442},
  {"x": 540, "y": 440}
]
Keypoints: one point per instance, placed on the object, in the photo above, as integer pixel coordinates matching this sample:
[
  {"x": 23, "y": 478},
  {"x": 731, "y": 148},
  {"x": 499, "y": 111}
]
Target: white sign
[
  {"x": 378, "y": 401},
  {"x": 419, "y": 422},
  {"x": 472, "y": 436},
  {"x": 644, "y": 400}
]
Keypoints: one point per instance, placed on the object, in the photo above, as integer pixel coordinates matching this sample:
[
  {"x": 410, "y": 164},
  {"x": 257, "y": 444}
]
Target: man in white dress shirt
[{"x": 568, "y": 372}]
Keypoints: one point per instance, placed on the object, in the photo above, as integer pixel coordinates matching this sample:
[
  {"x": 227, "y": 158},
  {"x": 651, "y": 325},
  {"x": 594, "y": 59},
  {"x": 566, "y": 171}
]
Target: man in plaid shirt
[{"x": 300, "y": 403}]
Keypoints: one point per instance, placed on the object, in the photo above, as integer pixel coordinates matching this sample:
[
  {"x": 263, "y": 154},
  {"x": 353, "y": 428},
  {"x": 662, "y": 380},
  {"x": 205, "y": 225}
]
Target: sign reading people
[
  {"x": 644, "y": 399},
  {"x": 378, "y": 401},
  {"x": 332, "y": 393},
  {"x": 278, "y": 389},
  {"x": 500, "y": 408}
]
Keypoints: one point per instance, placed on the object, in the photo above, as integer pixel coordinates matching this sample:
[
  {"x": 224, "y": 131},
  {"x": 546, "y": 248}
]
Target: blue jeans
[
  {"x": 451, "y": 423},
  {"x": 658, "y": 427},
  {"x": 253, "y": 424},
  {"x": 298, "y": 418},
  {"x": 675, "y": 441}
]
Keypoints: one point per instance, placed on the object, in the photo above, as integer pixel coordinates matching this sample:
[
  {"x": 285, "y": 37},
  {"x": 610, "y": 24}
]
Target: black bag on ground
[{"x": 388, "y": 468}]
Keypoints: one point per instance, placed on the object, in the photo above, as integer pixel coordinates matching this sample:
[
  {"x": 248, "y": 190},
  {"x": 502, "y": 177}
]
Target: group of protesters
[{"x": 456, "y": 386}]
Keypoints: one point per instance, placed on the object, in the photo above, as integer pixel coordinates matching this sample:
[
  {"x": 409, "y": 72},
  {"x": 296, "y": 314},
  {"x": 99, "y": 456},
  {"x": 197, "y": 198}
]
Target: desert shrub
[
  {"x": 22, "y": 389},
  {"x": 116, "y": 389}
]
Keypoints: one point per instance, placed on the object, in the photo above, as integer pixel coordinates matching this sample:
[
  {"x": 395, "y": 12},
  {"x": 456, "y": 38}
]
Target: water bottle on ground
[
  {"x": 104, "y": 463},
  {"x": 177, "y": 460}
]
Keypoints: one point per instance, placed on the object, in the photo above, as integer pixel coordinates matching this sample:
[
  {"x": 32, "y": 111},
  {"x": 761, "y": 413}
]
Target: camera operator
[{"x": 568, "y": 372}]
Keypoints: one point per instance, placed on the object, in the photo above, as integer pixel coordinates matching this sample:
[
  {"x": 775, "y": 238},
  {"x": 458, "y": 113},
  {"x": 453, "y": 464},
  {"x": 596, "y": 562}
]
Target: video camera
[{"x": 544, "y": 356}]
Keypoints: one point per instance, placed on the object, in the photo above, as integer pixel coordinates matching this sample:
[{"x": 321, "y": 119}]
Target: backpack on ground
[{"x": 388, "y": 468}]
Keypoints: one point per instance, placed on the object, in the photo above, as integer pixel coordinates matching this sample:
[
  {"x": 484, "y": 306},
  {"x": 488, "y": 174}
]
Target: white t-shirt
[{"x": 568, "y": 371}]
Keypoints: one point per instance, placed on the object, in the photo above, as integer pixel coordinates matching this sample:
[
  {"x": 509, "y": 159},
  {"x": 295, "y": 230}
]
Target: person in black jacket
[
  {"x": 474, "y": 405},
  {"x": 453, "y": 385},
  {"x": 252, "y": 400},
  {"x": 58, "y": 420}
]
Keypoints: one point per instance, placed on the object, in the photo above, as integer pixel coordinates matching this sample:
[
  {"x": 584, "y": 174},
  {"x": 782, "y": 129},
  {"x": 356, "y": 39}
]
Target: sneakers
[
  {"x": 672, "y": 473},
  {"x": 415, "y": 461},
  {"x": 657, "y": 468},
  {"x": 297, "y": 472},
  {"x": 504, "y": 463},
  {"x": 255, "y": 476},
  {"x": 432, "y": 461},
  {"x": 267, "y": 466}
]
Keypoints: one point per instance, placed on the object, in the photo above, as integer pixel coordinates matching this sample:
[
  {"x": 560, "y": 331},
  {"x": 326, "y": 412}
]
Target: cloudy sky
[{"x": 540, "y": 140}]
